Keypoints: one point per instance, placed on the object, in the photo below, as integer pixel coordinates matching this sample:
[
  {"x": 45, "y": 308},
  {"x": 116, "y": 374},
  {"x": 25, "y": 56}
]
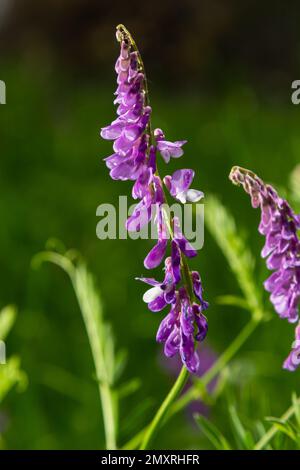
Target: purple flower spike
[
  {"x": 279, "y": 225},
  {"x": 179, "y": 186},
  {"x": 135, "y": 159}
]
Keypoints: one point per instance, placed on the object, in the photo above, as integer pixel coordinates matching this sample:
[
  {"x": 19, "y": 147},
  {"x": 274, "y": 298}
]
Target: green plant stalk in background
[{"x": 100, "y": 341}]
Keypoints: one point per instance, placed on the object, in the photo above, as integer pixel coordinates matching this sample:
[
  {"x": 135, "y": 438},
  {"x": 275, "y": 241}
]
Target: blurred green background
[{"x": 220, "y": 77}]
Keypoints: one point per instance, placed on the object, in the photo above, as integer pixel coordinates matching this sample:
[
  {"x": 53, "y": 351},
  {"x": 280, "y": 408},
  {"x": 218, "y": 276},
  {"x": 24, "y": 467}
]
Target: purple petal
[
  {"x": 188, "y": 354},
  {"x": 140, "y": 217},
  {"x": 141, "y": 186},
  {"x": 175, "y": 255},
  {"x": 165, "y": 328},
  {"x": 170, "y": 149},
  {"x": 158, "y": 304},
  {"x": 181, "y": 241},
  {"x": 148, "y": 280},
  {"x": 192, "y": 195},
  {"x": 172, "y": 343},
  {"x": 180, "y": 181},
  {"x": 186, "y": 318},
  {"x": 112, "y": 132},
  {"x": 156, "y": 255},
  {"x": 186, "y": 247}
]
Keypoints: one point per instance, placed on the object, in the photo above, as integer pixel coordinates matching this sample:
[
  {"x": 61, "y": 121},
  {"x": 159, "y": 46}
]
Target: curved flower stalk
[
  {"x": 136, "y": 147},
  {"x": 279, "y": 225}
]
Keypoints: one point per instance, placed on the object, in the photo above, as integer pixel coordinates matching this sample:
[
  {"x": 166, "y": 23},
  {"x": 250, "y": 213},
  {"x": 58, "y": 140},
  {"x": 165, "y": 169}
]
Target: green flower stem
[
  {"x": 261, "y": 444},
  {"x": 164, "y": 408}
]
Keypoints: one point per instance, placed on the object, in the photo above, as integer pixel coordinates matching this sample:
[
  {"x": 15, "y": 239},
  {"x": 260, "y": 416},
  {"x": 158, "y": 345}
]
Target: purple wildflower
[
  {"x": 168, "y": 149},
  {"x": 279, "y": 225},
  {"x": 135, "y": 148},
  {"x": 162, "y": 293},
  {"x": 179, "y": 186}
]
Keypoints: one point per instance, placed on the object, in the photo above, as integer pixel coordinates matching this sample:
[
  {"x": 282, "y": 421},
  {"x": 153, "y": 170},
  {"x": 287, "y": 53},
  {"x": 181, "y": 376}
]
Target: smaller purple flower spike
[
  {"x": 279, "y": 225},
  {"x": 168, "y": 149},
  {"x": 179, "y": 186},
  {"x": 293, "y": 360}
]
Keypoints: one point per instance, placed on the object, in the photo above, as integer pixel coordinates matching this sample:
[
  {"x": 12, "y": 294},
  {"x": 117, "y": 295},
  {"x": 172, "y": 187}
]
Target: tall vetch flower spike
[{"x": 135, "y": 148}]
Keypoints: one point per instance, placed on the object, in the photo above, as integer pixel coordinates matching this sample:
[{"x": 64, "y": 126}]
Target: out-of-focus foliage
[
  {"x": 207, "y": 43},
  {"x": 284, "y": 433},
  {"x": 52, "y": 180},
  {"x": 109, "y": 365},
  {"x": 220, "y": 78},
  {"x": 240, "y": 259},
  {"x": 10, "y": 371}
]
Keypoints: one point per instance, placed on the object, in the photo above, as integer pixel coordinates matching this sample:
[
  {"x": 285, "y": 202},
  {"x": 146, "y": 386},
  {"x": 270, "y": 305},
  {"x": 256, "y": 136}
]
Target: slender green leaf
[
  {"x": 243, "y": 437},
  {"x": 283, "y": 426},
  {"x": 98, "y": 330},
  {"x": 128, "y": 388},
  {"x": 296, "y": 404},
  {"x": 212, "y": 433}
]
